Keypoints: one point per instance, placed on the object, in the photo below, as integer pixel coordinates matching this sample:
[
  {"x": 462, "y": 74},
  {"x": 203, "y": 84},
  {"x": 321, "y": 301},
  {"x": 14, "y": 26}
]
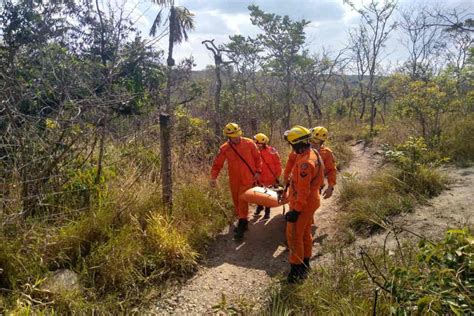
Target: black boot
[
  {"x": 242, "y": 226},
  {"x": 236, "y": 228},
  {"x": 267, "y": 213},
  {"x": 306, "y": 268},
  {"x": 296, "y": 273},
  {"x": 258, "y": 210}
]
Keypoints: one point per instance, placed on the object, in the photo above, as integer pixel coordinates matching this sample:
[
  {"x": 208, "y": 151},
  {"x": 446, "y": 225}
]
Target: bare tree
[
  {"x": 313, "y": 76},
  {"x": 366, "y": 44},
  {"x": 459, "y": 43},
  {"x": 423, "y": 41},
  {"x": 218, "y": 63},
  {"x": 455, "y": 19}
]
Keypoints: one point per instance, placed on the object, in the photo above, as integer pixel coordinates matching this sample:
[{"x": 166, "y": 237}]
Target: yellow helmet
[
  {"x": 261, "y": 138},
  {"x": 232, "y": 130},
  {"x": 297, "y": 134},
  {"x": 320, "y": 133}
]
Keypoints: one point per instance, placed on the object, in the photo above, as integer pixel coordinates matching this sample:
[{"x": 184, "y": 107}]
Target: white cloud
[{"x": 218, "y": 19}]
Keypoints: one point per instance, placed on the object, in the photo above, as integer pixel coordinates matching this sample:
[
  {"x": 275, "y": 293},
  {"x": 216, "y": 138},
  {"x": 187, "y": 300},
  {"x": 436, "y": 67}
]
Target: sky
[{"x": 331, "y": 21}]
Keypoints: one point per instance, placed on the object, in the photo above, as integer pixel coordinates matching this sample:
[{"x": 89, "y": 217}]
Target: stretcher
[{"x": 266, "y": 197}]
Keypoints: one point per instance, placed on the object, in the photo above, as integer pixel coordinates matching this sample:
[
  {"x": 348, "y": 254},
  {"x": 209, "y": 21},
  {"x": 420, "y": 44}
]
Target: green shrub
[
  {"x": 440, "y": 282},
  {"x": 457, "y": 142},
  {"x": 413, "y": 153}
]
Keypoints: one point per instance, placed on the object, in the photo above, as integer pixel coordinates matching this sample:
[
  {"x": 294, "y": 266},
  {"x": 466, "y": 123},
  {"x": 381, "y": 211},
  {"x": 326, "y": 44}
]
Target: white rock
[{"x": 63, "y": 280}]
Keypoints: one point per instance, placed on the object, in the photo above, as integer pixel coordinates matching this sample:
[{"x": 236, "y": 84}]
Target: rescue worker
[
  {"x": 244, "y": 167},
  {"x": 307, "y": 178},
  {"x": 319, "y": 135},
  {"x": 271, "y": 167}
]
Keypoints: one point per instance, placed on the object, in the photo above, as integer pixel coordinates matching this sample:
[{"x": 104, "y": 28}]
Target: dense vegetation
[{"x": 106, "y": 145}]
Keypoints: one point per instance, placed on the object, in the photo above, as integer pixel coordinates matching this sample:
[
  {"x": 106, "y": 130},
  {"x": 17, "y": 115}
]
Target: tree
[
  {"x": 367, "y": 43},
  {"x": 180, "y": 21},
  {"x": 423, "y": 41},
  {"x": 218, "y": 63},
  {"x": 459, "y": 43},
  {"x": 424, "y": 101},
  {"x": 62, "y": 85},
  {"x": 313, "y": 75},
  {"x": 244, "y": 81},
  {"x": 283, "y": 40}
]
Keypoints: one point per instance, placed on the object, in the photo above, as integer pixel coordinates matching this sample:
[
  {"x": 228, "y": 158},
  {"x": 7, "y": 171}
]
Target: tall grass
[
  {"x": 340, "y": 287},
  {"x": 123, "y": 247}
]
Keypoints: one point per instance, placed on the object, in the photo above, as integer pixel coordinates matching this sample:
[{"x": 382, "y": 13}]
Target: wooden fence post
[{"x": 166, "y": 168}]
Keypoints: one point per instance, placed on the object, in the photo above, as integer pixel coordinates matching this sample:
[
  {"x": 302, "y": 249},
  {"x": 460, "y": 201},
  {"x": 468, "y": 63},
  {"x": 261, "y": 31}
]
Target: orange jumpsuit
[
  {"x": 240, "y": 177},
  {"x": 271, "y": 166},
  {"x": 308, "y": 176},
  {"x": 329, "y": 165}
]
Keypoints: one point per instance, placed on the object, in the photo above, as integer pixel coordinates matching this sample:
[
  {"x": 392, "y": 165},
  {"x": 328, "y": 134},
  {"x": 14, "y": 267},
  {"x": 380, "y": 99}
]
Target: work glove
[{"x": 292, "y": 216}]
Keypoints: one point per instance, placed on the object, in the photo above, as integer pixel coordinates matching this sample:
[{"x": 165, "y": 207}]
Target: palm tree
[{"x": 180, "y": 21}]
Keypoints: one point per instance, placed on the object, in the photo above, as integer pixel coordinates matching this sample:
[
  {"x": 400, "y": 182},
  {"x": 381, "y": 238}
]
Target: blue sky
[{"x": 217, "y": 19}]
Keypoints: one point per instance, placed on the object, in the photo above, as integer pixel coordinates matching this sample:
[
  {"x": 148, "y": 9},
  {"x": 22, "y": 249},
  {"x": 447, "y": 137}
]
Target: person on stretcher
[{"x": 271, "y": 168}]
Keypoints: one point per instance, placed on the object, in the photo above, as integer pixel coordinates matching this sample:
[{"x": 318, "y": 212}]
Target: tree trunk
[
  {"x": 316, "y": 108},
  {"x": 373, "y": 113},
  {"x": 101, "y": 155},
  {"x": 287, "y": 117},
  {"x": 171, "y": 37},
  {"x": 308, "y": 114},
  {"x": 362, "y": 109},
  {"x": 217, "y": 100},
  {"x": 166, "y": 174}
]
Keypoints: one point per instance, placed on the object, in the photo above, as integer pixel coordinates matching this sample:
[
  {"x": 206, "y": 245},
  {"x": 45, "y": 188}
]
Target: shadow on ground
[{"x": 263, "y": 246}]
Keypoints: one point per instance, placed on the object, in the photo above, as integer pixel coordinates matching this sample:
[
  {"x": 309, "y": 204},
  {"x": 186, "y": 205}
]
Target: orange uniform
[
  {"x": 271, "y": 166},
  {"x": 240, "y": 177},
  {"x": 308, "y": 176},
  {"x": 329, "y": 165}
]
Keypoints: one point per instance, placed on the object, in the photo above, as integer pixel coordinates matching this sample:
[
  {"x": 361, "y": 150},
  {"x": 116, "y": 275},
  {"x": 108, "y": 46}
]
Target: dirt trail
[{"x": 245, "y": 269}]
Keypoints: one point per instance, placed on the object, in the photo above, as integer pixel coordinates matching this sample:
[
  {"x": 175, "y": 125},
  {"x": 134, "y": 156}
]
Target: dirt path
[{"x": 245, "y": 270}]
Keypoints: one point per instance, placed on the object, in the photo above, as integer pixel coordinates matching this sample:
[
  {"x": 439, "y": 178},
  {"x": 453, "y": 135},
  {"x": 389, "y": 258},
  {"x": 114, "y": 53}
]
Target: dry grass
[
  {"x": 368, "y": 203},
  {"x": 121, "y": 247}
]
